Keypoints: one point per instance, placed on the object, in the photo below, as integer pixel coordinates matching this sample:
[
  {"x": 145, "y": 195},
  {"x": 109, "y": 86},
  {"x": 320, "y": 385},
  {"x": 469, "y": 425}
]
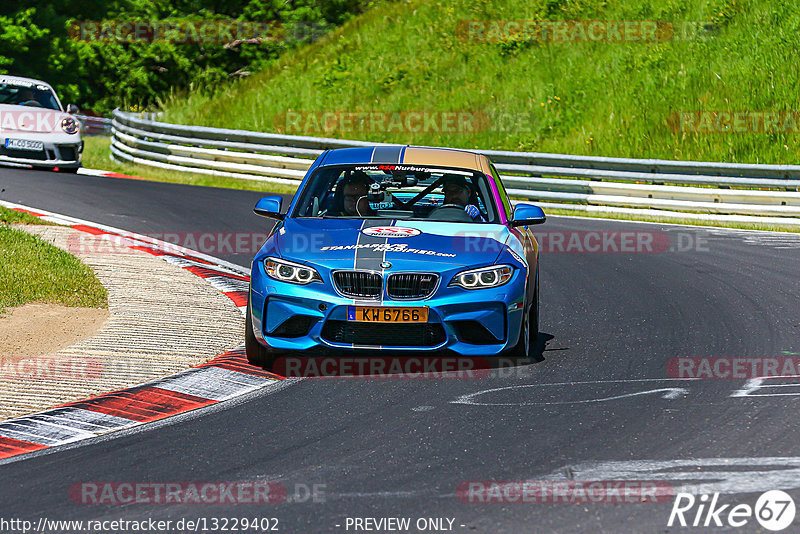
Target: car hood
[
  {"x": 30, "y": 119},
  {"x": 345, "y": 243}
]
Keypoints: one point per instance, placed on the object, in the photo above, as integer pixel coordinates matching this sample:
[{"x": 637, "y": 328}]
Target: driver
[
  {"x": 355, "y": 188},
  {"x": 458, "y": 191},
  {"x": 27, "y": 98}
]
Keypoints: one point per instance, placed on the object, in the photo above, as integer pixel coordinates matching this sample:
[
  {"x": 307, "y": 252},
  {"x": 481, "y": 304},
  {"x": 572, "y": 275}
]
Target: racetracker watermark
[
  {"x": 214, "y": 243},
  {"x": 621, "y": 242},
  {"x": 646, "y": 242},
  {"x": 124, "y": 493},
  {"x": 734, "y": 367},
  {"x": 68, "y": 367},
  {"x": 580, "y": 31},
  {"x": 383, "y": 367},
  {"x": 226, "y": 32},
  {"x": 472, "y": 241},
  {"x": 568, "y": 492},
  {"x": 412, "y": 122},
  {"x": 31, "y": 120},
  {"x": 589, "y": 242},
  {"x": 51, "y": 368},
  {"x": 734, "y": 122}
]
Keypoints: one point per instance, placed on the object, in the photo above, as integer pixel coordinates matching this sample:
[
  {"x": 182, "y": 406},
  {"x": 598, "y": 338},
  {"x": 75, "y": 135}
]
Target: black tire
[
  {"x": 530, "y": 326},
  {"x": 257, "y": 354},
  {"x": 523, "y": 347},
  {"x": 71, "y": 170},
  {"x": 535, "y": 311}
]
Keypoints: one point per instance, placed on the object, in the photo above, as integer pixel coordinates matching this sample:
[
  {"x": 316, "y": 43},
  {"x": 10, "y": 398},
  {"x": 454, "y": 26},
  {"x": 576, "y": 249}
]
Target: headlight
[
  {"x": 287, "y": 271},
  {"x": 70, "y": 125},
  {"x": 494, "y": 276}
]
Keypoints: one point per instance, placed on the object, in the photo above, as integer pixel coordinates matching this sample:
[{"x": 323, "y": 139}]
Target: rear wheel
[{"x": 257, "y": 354}]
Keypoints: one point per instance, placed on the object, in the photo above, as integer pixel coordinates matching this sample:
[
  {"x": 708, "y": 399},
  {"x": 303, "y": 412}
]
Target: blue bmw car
[{"x": 395, "y": 249}]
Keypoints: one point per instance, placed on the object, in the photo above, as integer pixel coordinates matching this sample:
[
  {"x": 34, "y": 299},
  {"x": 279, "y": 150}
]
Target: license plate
[
  {"x": 379, "y": 314},
  {"x": 25, "y": 144}
]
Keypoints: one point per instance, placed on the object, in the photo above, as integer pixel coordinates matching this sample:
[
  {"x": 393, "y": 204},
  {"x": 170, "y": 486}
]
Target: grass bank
[
  {"x": 32, "y": 270},
  {"x": 612, "y": 97}
]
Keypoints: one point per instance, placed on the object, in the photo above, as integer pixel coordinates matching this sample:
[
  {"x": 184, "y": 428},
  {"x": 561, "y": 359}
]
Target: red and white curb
[
  {"x": 225, "y": 377},
  {"x": 107, "y": 174}
]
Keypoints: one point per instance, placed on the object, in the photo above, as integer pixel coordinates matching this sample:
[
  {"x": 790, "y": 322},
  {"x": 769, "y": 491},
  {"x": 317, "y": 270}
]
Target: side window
[
  {"x": 317, "y": 192},
  {"x": 484, "y": 195},
  {"x": 506, "y": 204}
]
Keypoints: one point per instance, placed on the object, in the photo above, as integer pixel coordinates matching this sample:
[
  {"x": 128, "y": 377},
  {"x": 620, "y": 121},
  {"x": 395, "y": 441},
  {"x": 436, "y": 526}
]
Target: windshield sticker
[
  {"x": 410, "y": 168},
  {"x": 393, "y": 247},
  {"x": 18, "y": 83}
]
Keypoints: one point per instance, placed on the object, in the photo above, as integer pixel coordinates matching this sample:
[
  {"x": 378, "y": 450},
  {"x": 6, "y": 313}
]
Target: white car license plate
[{"x": 25, "y": 144}]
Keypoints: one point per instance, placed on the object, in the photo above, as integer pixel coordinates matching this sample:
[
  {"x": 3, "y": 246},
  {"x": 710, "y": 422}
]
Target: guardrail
[{"x": 689, "y": 189}]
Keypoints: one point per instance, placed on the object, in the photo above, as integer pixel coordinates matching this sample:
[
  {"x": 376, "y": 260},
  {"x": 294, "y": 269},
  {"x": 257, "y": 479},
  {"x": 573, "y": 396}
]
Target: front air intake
[{"x": 359, "y": 284}]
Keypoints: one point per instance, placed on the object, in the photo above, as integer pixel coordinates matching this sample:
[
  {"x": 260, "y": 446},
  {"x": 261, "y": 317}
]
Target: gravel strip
[{"x": 162, "y": 319}]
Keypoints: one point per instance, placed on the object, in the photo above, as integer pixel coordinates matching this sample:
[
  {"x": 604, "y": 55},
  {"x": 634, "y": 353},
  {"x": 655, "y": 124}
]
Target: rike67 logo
[{"x": 774, "y": 510}]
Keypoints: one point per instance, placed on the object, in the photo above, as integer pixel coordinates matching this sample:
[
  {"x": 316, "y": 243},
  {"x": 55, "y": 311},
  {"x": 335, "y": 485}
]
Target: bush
[{"x": 36, "y": 41}]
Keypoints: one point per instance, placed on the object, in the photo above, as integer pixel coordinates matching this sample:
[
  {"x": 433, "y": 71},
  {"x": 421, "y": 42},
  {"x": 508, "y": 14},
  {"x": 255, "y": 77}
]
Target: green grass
[
  {"x": 9, "y": 216},
  {"x": 32, "y": 270},
  {"x": 588, "y": 98},
  {"x": 96, "y": 156},
  {"x": 600, "y": 99}
]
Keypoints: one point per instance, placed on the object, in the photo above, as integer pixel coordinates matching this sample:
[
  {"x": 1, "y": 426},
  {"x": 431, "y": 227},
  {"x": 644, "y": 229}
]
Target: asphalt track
[{"x": 610, "y": 323}]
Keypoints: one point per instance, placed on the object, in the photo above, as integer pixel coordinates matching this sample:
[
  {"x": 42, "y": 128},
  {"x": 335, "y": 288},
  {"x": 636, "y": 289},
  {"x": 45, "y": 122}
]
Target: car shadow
[
  {"x": 346, "y": 364},
  {"x": 536, "y": 356}
]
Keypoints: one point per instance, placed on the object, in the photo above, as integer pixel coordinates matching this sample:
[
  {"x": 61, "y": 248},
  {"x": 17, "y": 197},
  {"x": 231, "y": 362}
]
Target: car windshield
[
  {"x": 28, "y": 94},
  {"x": 397, "y": 192}
]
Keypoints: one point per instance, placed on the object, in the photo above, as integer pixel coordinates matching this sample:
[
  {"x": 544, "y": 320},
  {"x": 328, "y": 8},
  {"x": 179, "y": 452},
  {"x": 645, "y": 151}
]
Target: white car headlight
[
  {"x": 493, "y": 276},
  {"x": 70, "y": 125},
  {"x": 287, "y": 271}
]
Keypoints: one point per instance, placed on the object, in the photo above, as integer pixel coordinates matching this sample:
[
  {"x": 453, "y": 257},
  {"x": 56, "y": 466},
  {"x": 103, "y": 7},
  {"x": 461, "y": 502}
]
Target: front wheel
[
  {"x": 257, "y": 354},
  {"x": 529, "y": 332},
  {"x": 523, "y": 347},
  {"x": 535, "y": 311}
]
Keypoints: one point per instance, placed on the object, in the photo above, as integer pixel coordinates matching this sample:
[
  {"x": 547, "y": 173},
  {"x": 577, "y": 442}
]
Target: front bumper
[
  {"x": 289, "y": 317},
  {"x": 64, "y": 152}
]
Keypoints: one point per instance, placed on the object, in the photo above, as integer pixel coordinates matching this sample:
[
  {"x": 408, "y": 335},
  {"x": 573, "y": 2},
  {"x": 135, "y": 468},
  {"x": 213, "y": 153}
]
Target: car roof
[{"x": 406, "y": 155}]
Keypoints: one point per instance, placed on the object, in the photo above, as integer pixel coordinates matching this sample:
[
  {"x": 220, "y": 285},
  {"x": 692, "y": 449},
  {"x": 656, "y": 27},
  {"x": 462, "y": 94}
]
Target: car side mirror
[
  {"x": 269, "y": 207},
  {"x": 527, "y": 214},
  {"x": 72, "y": 109}
]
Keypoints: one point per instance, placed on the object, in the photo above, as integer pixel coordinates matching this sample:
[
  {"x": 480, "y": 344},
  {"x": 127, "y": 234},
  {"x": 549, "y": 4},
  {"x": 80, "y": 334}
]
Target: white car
[{"x": 34, "y": 127}]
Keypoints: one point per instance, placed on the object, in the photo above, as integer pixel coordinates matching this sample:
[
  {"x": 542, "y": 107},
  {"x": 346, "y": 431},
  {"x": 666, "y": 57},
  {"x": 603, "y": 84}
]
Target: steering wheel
[{"x": 450, "y": 213}]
